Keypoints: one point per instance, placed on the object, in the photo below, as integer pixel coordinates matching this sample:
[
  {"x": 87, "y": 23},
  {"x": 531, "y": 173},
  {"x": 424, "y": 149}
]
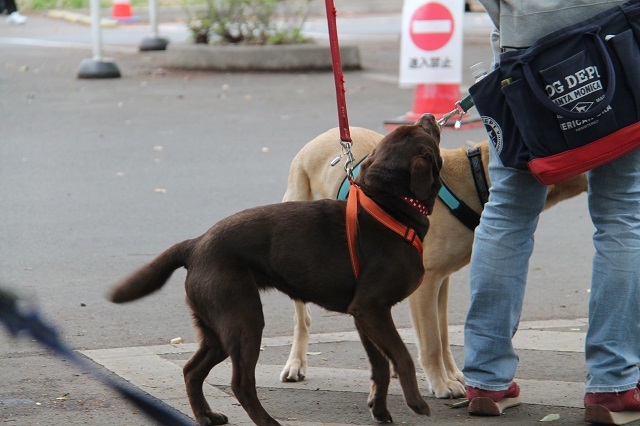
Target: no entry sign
[
  {"x": 431, "y": 26},
  {"x": 431, "y": 49}
]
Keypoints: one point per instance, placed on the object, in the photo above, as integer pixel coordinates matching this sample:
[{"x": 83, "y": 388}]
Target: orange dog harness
[{"x": 358, "y": 198}]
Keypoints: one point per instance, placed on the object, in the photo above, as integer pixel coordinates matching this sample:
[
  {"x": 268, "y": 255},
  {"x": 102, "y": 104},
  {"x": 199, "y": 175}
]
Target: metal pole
[
  {"x": 96, "y": 32},
  {"x": 153, "y": 17}
]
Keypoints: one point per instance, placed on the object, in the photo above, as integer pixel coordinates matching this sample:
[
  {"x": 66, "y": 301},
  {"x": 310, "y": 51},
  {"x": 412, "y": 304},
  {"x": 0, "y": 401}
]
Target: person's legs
[
  {"x": 612, "y": 347},
  {"x": 14, "y": 16},
  {"x": 10, "y": 6},
  {"x": 501, "y": 250}
]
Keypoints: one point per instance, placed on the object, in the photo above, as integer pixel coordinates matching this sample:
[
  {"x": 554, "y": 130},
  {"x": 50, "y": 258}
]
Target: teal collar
[{"x": 458, "y": 208}]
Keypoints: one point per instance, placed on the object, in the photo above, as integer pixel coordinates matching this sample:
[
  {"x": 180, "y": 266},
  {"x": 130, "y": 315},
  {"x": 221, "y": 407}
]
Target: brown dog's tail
[{"x": 154, "y": 275}]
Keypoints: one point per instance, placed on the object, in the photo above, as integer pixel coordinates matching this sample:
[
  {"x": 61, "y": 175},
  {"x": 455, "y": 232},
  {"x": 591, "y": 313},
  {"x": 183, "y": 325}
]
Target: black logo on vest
[{"x": 494, "y": 131}]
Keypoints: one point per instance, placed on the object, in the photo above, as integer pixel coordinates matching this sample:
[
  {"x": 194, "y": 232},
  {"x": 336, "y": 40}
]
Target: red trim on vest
[
  {"x": 562, "y": 166},
  {"x": 358, "y": 198}
]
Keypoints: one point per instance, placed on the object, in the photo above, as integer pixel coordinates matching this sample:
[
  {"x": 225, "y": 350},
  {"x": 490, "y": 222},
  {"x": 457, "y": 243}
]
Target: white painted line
[
  {"x": 537, "y": 340},
  {"x": 539, "y": 392},
  {"x": 534, "y": 335},
  {"x": 41, "y": 43},
  {"x": 145, "y": 369},
  {"x": 33, "y": 42}
]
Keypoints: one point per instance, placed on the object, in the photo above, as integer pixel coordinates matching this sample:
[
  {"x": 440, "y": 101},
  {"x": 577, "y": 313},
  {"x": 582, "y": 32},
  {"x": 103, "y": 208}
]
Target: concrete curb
[
  {"x": 284, "y": 58},
  {"x": 79, "y": 18}
]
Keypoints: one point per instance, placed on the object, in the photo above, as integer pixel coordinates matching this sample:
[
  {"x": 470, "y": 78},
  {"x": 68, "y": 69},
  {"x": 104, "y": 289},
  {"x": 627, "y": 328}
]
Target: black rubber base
[
  {"x": 153, "y": 43},
  {"x": 90, "y": 68}
]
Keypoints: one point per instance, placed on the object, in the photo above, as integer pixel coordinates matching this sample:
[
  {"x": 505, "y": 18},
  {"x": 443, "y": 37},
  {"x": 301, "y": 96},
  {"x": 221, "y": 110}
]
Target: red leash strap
[{"x": 337, "y": 72}]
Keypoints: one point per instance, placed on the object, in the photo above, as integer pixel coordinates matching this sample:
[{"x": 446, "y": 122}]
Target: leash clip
[
  {"x": 459, "y": 111},
  {"x": 461, "y": 108},
  {"x": 346, "y": 152}
]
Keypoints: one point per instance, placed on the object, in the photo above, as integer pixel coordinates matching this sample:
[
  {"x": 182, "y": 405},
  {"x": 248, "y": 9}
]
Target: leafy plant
[
  {"x": 252, "y": 21},
  {"x": 200, "y": 30},
  {"x": 293, "y": 36}
]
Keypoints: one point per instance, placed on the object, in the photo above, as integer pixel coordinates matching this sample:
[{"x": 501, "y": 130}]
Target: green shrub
[{"x": 250, "y": 21}]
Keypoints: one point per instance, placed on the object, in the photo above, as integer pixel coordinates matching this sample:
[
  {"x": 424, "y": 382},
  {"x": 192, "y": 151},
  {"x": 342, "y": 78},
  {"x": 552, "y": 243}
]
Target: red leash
[{"x": 343, "y": 121}]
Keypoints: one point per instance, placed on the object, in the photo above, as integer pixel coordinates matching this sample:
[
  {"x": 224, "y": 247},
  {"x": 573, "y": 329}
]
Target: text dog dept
[{"x": 575, "y": 87}]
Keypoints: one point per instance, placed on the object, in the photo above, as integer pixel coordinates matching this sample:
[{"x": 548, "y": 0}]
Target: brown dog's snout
[
  {"x": 429, "y": 124},
  {"x": 427, "y": 120},
  {"x": 426, "y": 116}
]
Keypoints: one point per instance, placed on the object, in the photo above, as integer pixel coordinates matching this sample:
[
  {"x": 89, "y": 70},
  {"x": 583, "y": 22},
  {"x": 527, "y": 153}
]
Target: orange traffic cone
[
  {"x": 122, "y": 11},
  {"x": 436, "y": 99}
]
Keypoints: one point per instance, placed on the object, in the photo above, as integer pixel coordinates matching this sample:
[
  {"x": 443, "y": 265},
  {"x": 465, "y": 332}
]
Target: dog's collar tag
[{"x": 416, "y": 204}]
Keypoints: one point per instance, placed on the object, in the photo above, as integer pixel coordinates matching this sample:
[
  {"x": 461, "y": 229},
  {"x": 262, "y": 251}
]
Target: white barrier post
[
  {"x": 97, "y": 67},
  {"x": 154, "y": 41}
]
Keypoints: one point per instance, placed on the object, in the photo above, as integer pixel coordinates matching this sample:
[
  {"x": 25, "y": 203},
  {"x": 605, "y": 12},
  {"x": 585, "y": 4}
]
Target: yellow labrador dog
[{"x": 447, "y": 248}]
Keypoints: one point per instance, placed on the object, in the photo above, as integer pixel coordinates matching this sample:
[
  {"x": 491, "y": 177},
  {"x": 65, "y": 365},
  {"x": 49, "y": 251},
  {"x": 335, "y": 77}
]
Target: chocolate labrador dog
[{"x": 301, "y": 248}]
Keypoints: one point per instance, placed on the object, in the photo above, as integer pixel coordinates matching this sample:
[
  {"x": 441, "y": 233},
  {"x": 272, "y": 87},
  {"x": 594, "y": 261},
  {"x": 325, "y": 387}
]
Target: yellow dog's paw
[
  {"x": 293, "y": 371},
  {"x": 448, "y": 389}
]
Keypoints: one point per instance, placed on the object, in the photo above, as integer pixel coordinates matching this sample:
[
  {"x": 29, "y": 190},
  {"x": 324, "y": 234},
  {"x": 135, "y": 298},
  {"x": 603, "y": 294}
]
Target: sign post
[{"x": 431, "y": 54}]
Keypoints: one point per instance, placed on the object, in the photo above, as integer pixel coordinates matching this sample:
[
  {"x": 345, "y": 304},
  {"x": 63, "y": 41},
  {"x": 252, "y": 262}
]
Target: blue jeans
[{"x": 501, "y": 250}]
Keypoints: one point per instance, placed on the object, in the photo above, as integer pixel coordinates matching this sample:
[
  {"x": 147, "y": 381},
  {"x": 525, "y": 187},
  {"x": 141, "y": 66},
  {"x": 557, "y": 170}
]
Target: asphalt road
[{"x": 98, "y": 176}]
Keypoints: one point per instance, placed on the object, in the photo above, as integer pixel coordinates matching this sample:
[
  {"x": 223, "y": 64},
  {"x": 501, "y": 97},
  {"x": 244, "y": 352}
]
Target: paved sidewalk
[{"x": 337, "y": 366}]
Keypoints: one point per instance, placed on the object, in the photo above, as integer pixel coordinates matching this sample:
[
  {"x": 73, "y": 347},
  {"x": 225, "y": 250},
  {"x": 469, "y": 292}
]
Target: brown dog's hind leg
[
  {"x": 195, "y": 371},
  {"x": 377, "y": 324},
  {"x": 243, "y": 382},
  {"x": 380, "y": 378},
  {"x": 225, "y": 300},
  {"x": 242, "y": 336}
]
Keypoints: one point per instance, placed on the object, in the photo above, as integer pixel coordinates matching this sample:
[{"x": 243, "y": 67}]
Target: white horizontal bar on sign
[{"x": 431, "y": 26}]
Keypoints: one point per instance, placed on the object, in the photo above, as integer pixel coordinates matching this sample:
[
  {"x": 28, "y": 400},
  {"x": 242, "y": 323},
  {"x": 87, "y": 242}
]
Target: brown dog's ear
[
  {"x": 362, "y": 171},
  {"x": 421, "y": 177}
]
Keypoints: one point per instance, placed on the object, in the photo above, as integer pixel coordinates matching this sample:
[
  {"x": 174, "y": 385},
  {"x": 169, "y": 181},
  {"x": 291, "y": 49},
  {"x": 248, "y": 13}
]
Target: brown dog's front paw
[
  {"x": 210, "y": 418},
  {"x": 381, "y": 416},
  {"x": 420, "y": 407}
]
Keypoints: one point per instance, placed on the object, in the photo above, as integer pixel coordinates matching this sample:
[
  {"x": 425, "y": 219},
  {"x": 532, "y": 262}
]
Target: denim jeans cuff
[
  {"x": 484, "y": 386},
  {"x": 609, "y": 389}
]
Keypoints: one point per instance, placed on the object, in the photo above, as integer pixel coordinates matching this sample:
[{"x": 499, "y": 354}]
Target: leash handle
[
  {"x": 343, "y": 121},
  {"x": 20, "y": 319}
]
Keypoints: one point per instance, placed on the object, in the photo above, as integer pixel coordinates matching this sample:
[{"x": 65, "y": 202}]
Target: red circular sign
[{"x": 431, "y": 26}]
